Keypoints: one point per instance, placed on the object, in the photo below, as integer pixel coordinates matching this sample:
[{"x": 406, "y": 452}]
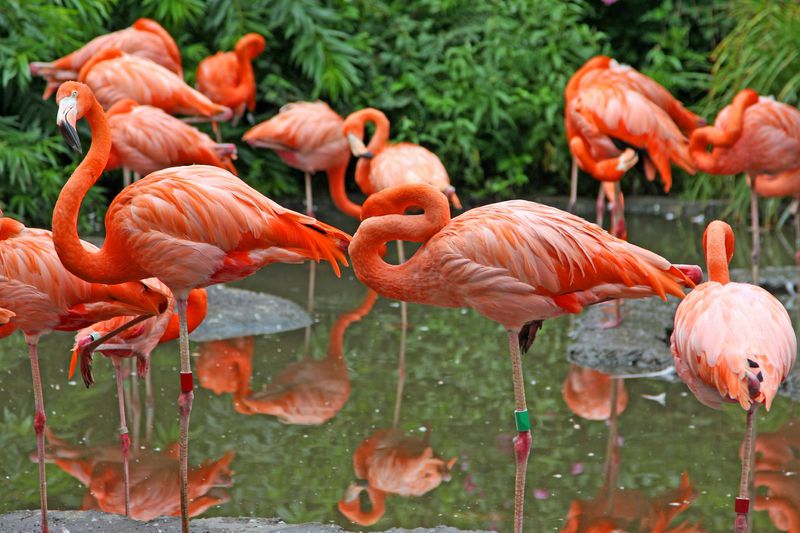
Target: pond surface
[{"x": 673, "y": 460}]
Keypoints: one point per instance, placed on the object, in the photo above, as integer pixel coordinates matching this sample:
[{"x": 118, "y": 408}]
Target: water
[{"x": 457, "y": 393}]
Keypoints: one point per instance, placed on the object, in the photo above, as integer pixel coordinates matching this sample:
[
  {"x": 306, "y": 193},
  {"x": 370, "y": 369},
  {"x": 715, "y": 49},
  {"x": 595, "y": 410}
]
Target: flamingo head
[
  {"x": 74, "y": 100},
  {"x": 252, "y": 45},
  {"x": 358, "y": 148}
]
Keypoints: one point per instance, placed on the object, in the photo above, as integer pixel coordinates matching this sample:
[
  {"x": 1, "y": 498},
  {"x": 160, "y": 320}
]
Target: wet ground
[{"x": 672, "y": 458}]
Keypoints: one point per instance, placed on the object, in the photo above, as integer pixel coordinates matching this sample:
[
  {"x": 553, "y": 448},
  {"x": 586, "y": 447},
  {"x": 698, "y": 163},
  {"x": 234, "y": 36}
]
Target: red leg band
[
  {"x": 742, "y": 505},
  {"x": 187, "y": 382}
]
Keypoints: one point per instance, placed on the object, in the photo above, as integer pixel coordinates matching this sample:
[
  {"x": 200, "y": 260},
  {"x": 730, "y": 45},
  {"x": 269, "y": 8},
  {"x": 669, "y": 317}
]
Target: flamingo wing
[
  {"x": 727, "y": 333},
  {"x": 199, "y": 224}
]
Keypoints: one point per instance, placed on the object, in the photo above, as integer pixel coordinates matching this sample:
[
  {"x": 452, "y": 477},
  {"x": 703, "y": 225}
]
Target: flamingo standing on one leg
[
  {"x": 114, "y": 76},
  {"x": 755, "y": 135},
  {"x": 43, "y": 296},
  {"x": 732, "y": 341},
  {"x": 227, "y": 77},
  {"x": 187, "y": 226},
  {"x": 145, "y": 38},
  {"x": 138, "y": 341},
  {"x": 516, "y": 263},
  {"x": 145, "y": 139},
  {"x": 308, "y": 136}
]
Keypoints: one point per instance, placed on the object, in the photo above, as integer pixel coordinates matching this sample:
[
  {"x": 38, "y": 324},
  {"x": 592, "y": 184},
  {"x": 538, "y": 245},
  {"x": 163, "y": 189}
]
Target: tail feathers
[{"x": 315, "y": 240}]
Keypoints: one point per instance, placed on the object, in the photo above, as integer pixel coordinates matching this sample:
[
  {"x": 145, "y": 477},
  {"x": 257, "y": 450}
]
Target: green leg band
[{"x": 523, "y": 420}]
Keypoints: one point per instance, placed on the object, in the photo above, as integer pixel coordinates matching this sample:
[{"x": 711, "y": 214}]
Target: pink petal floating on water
[
  {"x": 577, "y": 469},
  {"x": 541, "y": 494}
]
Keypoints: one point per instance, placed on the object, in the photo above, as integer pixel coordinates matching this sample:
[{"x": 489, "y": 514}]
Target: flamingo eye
[{"x": 74, "y": 94}]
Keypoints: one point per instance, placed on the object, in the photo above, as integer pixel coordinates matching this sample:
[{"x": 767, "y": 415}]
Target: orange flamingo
[
  {"x": 146, "y": 139},
  {"x": 226, "y": 365},
  {"x": 389, "y": 462},
  {"x": 732, "y": 341},
  {"x": 43, "y": 296},
  {"x": 308, "y": 136},
  {"x": 309, "y": 392},
  {"x": 154, "y": 484},
  {"x": 187, "y": 226},
  {"x": 114, "y": 76},
  {"x": 587, "y": 393},
  {"x": 227, "y": 77},
  {"x": 755, "y": 135},
  {"x": 138, "y": 342},
  {"x": 146, "y": 38},
  {"x": 515, "y": 262},
  {"x": 606, "y": 102}
]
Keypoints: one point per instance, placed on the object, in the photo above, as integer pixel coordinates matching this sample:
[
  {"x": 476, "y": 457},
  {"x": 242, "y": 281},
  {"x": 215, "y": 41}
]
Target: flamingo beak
[
  {"x": 358, "y": 148},
  {"x": 450, "y": 192},
  {"x": 66, "y": 120}
]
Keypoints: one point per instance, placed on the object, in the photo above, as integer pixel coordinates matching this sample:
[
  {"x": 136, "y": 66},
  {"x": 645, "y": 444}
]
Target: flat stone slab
[
  {"x": 640, "y": 345},
  {"x": 241, "y": 313},
  {"x": 95, "y": 521}
]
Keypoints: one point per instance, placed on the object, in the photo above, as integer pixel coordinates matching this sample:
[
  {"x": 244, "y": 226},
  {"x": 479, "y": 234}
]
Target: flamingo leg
[
  {"x": 126, "y": 177},
  {"x": 612, "y": 459},
  {"x": 741, "y": 525},
  {"x": 601, "y": 206},
  {"x": 215, "y": 128},
  {"x": 617, "y": 230},
  {"x": 795, "y": 207},
  {"x": 312, "y": 282},
  {"x": 522, "y": 442},
  {"x": 184, "y": 409},
  {"x": 309, "y": 196},
  {"x": 136, "y": 404},
  {"x": 755, "y": 229},
  {"x": 124, "y": 438},
  {"x": 401, "y": 375},
  {"x": 39, "y": 421},
  {"x": 136, "y": 176},
  {"x": 401, "y": 258},
  {"x": 150, "y": 407},
  {"x": 573, "y": 185}
]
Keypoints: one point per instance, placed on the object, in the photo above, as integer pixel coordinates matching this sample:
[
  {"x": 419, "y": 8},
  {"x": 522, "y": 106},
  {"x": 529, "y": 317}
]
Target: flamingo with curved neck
[
  {"x": 732, "y": 342},
  {"x": 227, "y": 78},
  {"x": 757, "y": 136},
  {"x": 187, "y": 226},
  {"x": 517, "y": 263}
]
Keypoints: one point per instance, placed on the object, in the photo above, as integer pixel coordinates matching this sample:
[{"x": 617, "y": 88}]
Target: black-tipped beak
[
  {"x": 358, "y": 148},
  {"x": 66, "y": 122},
  {"x": 367, "y": 155}
]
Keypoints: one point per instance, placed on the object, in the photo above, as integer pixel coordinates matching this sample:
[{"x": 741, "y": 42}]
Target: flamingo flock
[{"x": 190, "y": 222}]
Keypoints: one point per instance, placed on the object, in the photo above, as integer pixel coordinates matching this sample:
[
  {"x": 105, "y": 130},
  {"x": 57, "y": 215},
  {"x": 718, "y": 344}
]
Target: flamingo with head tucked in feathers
[
  {"x": 732, "y": 342},
  {"x": 517, "y": 263},
  {"x": 187, "y": 226}
]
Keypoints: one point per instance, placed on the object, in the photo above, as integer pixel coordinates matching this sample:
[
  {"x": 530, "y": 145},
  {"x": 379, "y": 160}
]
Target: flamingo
[
  {"x": 308, "y": 136},
  {"x": 146, "y": 139},
  {"x": 592, "y": 123},
  {"x": 732, "y": 341},
  {"x": 587, "y": 393},
  {"x": 309, "y": 392},
  {"x": 145, "y": 38},
  {"x": 38, "y": 295},
  {"x": 755, "y": 135},
  {"x": 227, "y": 77},
  {"x": 154, "y": 484},
  {"x": 389, "y": 462},
  {"x": 515, "y": 262},
  {"x": 187, "y": 226},
  {"x": 136, "y": 342},
  {"x": 776, "y": 462},
  {"x": 114, "y": 76},
  {"x": 226, "y": 365}
]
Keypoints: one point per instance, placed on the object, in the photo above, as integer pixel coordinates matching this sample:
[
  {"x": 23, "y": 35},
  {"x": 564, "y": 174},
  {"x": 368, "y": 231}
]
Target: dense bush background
[{"x": 478, "y": 82}]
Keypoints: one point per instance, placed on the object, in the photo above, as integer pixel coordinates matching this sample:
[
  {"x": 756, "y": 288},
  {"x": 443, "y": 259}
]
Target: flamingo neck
[
  {"x": 713, "y": 162},
  {"x": 597, "y": 62},
  {"x": 336, "y": 340},
  {"x": 247, "y": 80},
  {"x": 367, "y": 247},
  {"x": 718, "y": 244},
  {"x": 336, "y": 178},
  {"x": 110, "y": 264},
  {"x": 350, "y": 505}
]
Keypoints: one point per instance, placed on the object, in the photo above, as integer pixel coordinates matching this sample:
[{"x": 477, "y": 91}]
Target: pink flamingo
[
  {"x": 187, "y": 226},
  {"x": 732, "y": 342},
  {"x": 517, "y": 263},
  {"x": 145, "y": 38},
  {"x": 38, "y": 295}
]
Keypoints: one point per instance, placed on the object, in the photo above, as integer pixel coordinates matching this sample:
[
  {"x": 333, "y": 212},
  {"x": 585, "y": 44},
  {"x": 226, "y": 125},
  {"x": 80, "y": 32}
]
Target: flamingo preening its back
[
  {"x": 190, "y": 227},
  {"x": 732, "y": 342},
  {"x": 517, "y": 263}
]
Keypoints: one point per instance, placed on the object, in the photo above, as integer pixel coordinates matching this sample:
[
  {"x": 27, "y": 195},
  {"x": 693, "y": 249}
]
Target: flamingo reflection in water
[
  {"x": 308, "y": 392},
  {"x": 776, "y": 465},
  {"x": 590, "y": 394},
  {"x": 154, "y": 483}
]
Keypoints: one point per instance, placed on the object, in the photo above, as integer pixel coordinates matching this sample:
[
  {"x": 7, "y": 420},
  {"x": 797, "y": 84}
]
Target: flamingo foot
[
  {"x": 740, "y": 524},
  {"x": 125, "y": 443},
  {"x": 184, "y": 409}
]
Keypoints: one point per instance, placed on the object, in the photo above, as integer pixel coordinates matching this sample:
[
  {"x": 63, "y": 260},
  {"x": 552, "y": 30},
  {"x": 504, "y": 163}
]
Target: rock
[
  {"x": 241, "y": 313},
  {"x": 95, "y": 521}
]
